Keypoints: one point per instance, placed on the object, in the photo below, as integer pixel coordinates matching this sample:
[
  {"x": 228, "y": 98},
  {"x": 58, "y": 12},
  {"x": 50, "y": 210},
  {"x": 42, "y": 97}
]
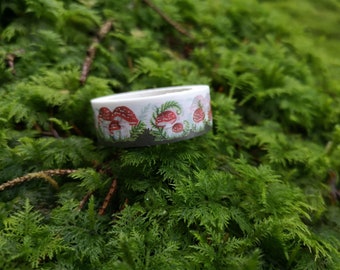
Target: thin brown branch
[
  {"x": 49, "y": 179},
  {"x": 85, "y": 199},
  {"x": 130, "y": 63},
  {"x": 334, "y": 193},
  {"x": 38, "y": 127},
  {"x": 77, "y": 130},
  {"x": 11, "y": 58},
  {"x": 59, "y": 171},
  {"x": 91, "y": 51},
  {"x": 46, "y": 175},
  {"x": 174, "y": 24},
  {"x": 126, "y": 202},
  {"x": 53, "y": 132},
  {"x": 10, "y": 62},
  {"x": 108, "y": 197}
]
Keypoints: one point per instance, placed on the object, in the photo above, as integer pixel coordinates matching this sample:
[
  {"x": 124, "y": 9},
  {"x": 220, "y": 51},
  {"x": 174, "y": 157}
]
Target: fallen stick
[
  {"x": 10, "y": 61},
  {"x": 178, "y": 27},
  {"x": 46, "y": 175},
  {"x": 91, "y": 51},
  {"x": 334, "y": 193},
  {"x": 108, "y": 197},
  {"x": 84, "y": 200}
]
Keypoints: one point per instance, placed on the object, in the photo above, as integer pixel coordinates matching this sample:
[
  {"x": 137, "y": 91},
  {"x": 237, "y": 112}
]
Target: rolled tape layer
[{"x": 153, "y": 116}]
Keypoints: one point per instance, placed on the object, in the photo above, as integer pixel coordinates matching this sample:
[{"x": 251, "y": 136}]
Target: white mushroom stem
[
  {"x": 167, "y": 125},
  {"x": 125, "y": 128}
]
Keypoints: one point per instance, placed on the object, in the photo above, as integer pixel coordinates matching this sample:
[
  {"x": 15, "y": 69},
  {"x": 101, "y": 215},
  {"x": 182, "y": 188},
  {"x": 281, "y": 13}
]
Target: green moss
[{"x": 254, "y": 193}]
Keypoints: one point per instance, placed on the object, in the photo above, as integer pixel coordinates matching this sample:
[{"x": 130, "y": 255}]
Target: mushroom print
[
  {"x": 166, "y": 122},
  {"x": 170, "y": 120},
  {"x": 104, "y": 118},
  {"x": 114, "y": 125},
  {"x": 201, "y": 112},
  {"x": 104, "y": 114},
  {"x": 123, "y": 119},
  {"x": 165, "y": 119},
  {"x": 177, "y": 128},
  {"x": 198, "y": 115}
]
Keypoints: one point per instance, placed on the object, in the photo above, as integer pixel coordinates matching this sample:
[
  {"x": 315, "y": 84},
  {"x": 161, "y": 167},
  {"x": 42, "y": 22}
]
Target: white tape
[{"x": 153, "y": 116}]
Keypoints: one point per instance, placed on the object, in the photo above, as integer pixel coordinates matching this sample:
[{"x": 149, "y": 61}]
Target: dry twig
[
  {"x": 77, "y": 130},
  {"x": 10, "y": 62},
  {"x": 108, "y": 197},
  {"x": 178, "y": 27},
  {"x": 91, "y": 51},
  {"x": 332, "y": 182},
  {"x": 126, "y": 202},
  {"x": 46, "y": 175},
  {"x": 11, "y": 57},
  {"x": 85, "y": 199},
  {"x": 53, "y": 132}
]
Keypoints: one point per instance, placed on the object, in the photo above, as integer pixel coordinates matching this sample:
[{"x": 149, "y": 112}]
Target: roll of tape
[{"x": 153, "y": 116}]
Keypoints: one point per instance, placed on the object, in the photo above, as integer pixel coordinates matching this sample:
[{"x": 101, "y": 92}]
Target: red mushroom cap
[
  {"x": 126, "y": 114},
  {"x": 165, "y": 117},
  {"x": 114, "y": 125},
  {"x": 198, "y": 115},
  {"x": 177, "y": 128},
  {"x": 105, "y": 114}
]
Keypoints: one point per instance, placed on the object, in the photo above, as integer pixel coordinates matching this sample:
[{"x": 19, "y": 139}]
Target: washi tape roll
[{"x": 153, "y": 116}]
